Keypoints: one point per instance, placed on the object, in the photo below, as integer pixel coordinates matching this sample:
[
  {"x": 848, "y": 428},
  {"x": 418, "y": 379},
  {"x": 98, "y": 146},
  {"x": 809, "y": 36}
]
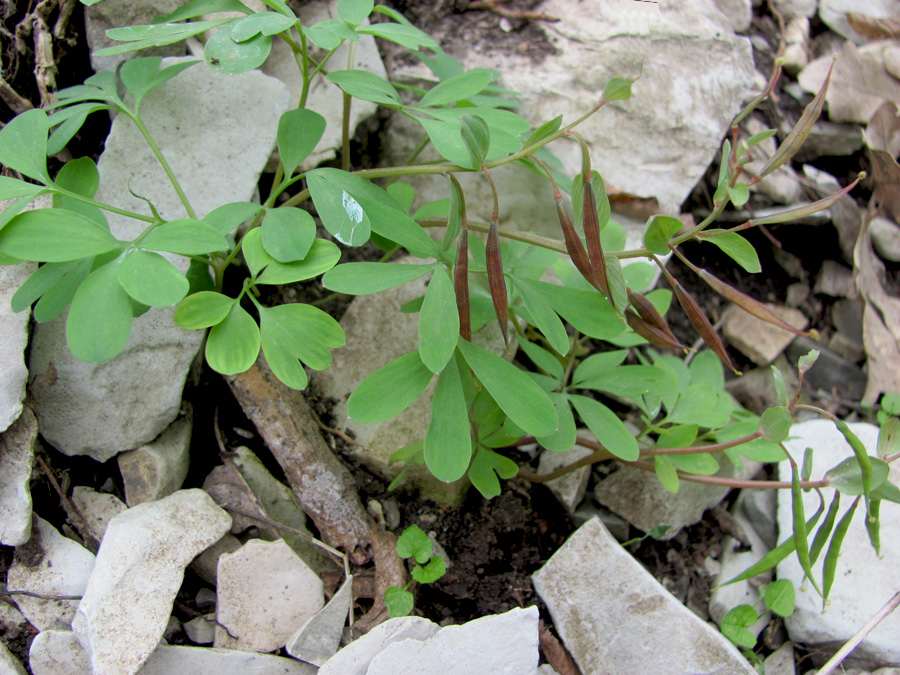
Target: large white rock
[
  {"x": 139, "y": 569},
  {"x": 59, "y": 653},
  {"x": 265, "y": 593},
  {"x": 614, "y": 617},
  {"x": 862, "y": 582},
  {"x": 354, "y": 659},
  {"x": 216, "y": 131},
  {"x": 503, "y": 644},
  {"x": 49, "y": 564},
  {"x": 17, "y": 460}
]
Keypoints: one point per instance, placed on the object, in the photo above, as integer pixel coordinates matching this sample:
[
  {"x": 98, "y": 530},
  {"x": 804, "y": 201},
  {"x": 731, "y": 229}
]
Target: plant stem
[
  {"x": 345, "y": 123},
  {"x": 835, "y": 661},
  {"x": 105, "y": 207}
]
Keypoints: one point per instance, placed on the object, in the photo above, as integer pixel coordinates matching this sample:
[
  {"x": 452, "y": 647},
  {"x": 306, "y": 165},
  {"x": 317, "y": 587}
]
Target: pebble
[
  {"x": 885, "y": 238},
  {"x": 17, "y": 459},
  {"x": 158, "y": 468},
  {"x": 758, "y": 340}
]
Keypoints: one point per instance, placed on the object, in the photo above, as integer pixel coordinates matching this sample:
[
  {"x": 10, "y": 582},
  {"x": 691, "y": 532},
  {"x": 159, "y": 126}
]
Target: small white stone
[
  {"x": 49, "y": 564},
  {"x": 319, "y": 638},
  {"x": 781, "y": 661},
  {"x": 9, "y": 664},
  {"x": 354, "y": 659},
  {"x": 885, "y": 238},
  {"x": 503, "y": 644},
  {"x": 158, "y": 468},
  {"x": 265, "y": 593},
  {"x": 569, "y": 489},
  {"x": 98, "y": 508},
  {"x": 17, "y": 460},
  {"x": 201, "y": 630}
]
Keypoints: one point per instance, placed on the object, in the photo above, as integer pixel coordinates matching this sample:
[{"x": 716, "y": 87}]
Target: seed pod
[
  {"x": 592, "y": 235},
  {"x": 651, "y": 333},
  {"x": 573, "y": 243},
  {"x": 702, "y": 324},
  {"x": 496, "y": 282},
  {"x": 648, "y": 313},
  {"x": 808, "y": 209},
  {"x": 461, "y": 283}
]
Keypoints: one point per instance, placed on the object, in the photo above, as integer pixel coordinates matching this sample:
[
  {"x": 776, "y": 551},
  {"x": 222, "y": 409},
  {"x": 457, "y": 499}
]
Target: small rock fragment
[
  {"x": 615, "y": 618},
  {"x": 201, "y": 630},
  {"x": 834, "y": 280},
  {"x": 206, "y": 564},
  {"x": 758, "y": 340},
  {"x": 206, "y": 597},
  {"x": 139, "y": 569},
  {"x": 49, "y": 564},
  {"x": 781, "y": 661},
  {"x": 354, "y": 659},
  {"x": 265, "y": 592},
  {"x": 319, "y": 638},
  {"x": 569, "y": 489},
  {"x": 738, "y": 12},
  {"x": 503, "y": 644},
  {"x": 158, "y": 468},
  {"x": 98, "y": 508},
  {"x": 758, "y": 507},
  {"x": 9, "y": 664},
  {"x": 797, "y": 7},
  {"x": 796, "y": 44},
  {"x": 17, "y": 460},
  {"x": 885, "y": 238}
]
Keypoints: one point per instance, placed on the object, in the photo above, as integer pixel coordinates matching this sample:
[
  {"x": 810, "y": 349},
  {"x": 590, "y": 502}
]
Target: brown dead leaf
[
  {"x": 555, "y": 653},
  {"x": 886, "y": 176},
  {"x": 389, "y": 571},
  {"x": 872, "y": 28},
  {"x": 881, "y": 320},
  {"x": 883, "y": 130}
]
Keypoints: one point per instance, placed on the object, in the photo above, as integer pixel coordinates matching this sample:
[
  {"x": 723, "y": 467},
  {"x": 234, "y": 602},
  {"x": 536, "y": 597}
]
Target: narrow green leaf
[
  {"x": 566, "y": 434},
  {"x": 13, "y": 188},
  {"x": 60, "y": 294},
  {"x": 586, "y": 310},
  {"x": 23, "y": 144},
  {"x": 873, "y": 525},
  {"x": 735, "y": 247},
  {"x": 780, "y": 597},
  {"x": 288, "y": 234},
  {"x": 775, "y": 424},
  {"x": 54, "y": 235},
  {"x": 41, "y": 280},
  {"x": 665, "y": 471},
  {"x": 224, "y": 54},
  {"x": 233, "y": 344},
  {"x": 99, "y": 321},
  {"x": 185, "y": 237},
  {"x": 203, "y": 309},
  {"x": 545, "y": 130},
  {"x": 151, "y": 279},
  {"x": 457, "y": 88},
  {"x": 658, "y": 231},
  {"x": 516, "y": 394},
  {"x": 366, "y": 278},
  {"x": 780, "y": 388},
  {"x": 402, "y": 34},
  {"x": 628, "y": 381},
  {"x": 545, "y": 319},
  {"x": 477, "y": 138},
  {"x": 389, "y": 390},
  {"x": 398, "y": 227},
  {"x": 607, "y": 427},
  {"x": 299, "y": 131},
  {"x": 438, "y": 322},
  {"x": 542, "y": 358},
  {"x": 448, "y": 441},
  {"x": 367, "y": 86},
  {"x": 597, "y": 364}
]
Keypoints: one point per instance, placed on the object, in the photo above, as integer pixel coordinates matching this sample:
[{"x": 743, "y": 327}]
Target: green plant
[
  {"x": 427, "y": 568},
  {"x": 617, "y": 361}
]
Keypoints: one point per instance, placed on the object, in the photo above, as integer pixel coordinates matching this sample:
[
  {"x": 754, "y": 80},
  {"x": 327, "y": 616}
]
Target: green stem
[
  {"x": 345, "y": 121},
  {"x": 105, "y": 207}
]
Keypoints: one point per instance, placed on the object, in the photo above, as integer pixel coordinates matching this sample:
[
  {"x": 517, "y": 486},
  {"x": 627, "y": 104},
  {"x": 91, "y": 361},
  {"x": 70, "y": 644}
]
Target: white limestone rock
[
  {"x": 17, "y": 460},
  {"x": 354, "y": 659},
  {"x": 737, "y": 12},
  {"x": 201, "y": 630},
  {"x": 615, "y": 618},
  {"x": 502, "y": 644},
  {"x": 834, "y": 14},
  {"x": 60, "y": 653},
  {"x": 265, "y": 593},
  {"x": 9, "y": 664},
  {"x": 318, "y": 639},
  {"x": 98, "y": 508},
  {"x": 49, "y": 564},
  {"x": 862, "y": 582},
  {"x": 569, "y": 489},
  {"x": 216, "y": 131},
  {"x": 158, "y": 468},
  {"x": 139, "y": 569},
  {"x": 805, "y": 8}
]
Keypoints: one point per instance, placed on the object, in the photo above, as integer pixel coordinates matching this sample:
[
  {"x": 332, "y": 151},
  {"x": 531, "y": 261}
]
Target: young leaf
[
  {"x": 399, "y": 602},
  {"x": 888, "y": 438},
  {"x": 434, "y": 570},
  {"x": 367, "y": 86},
  {"x": 202, "y": 310},
  {"x": 584, "y": 309},
  {"x": 296, "y": 334},
  {"x": 227, "y": 217},
  {"x": 156, "y": 35},
  {"x": 366, "y": 278},
  {"x": 299, "y": 131},
  {"x": 151, "y": 279},
  {"x": 414, "y": 543},
  {"x": 288, "y": 234},
  {"x": 516, "y": 394},
  {"x": 185, "y": 237},
  {"x": 448, "y": 441},
  {"x": 617, "y": 89},
  {"x": 438, "y": 322},
  {"x": 23, "y": 144},
  {"x": 54, "y": 235},
  {"x": 99, "y": 321},
  {"x": 735, "y": 623},
  {"x": 545, "y": 130},
  {"x": 265, "y": 23},
  {"x": 735, "y": 247},
  {"x": 354, "y": 11},
  {"x": 457, "y": 88},
  {"x": 485, "y": 468},
  {"x": 225, "y": 54},
  {"x": 389, "y": 390},
  {"x": 233, "y": 344},
  {"x": 477, "y": 138},
  {"x": 666, "y": 472},
  {"x": 607, "y": 427},
  {"x": 780, "y": 389},
  {"x": 775, "y": 424},
  {"x": 658, "y": 231}
]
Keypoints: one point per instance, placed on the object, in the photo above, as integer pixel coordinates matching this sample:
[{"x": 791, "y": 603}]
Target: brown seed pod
[
  {"x": 461, "y": 282},
  {"x": 592, "y": 235},
  {"x": 651, "y": 333},
  {"x": 649, "y": 315},
  {"x": 496, "y": 282},
  {"x": 701, "y": 323}
]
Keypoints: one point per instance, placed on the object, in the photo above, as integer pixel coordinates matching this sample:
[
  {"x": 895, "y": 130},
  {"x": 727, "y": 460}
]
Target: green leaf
[
  {"x": 775, "y": 424},
  {"x": 399, "y": 602},
  {"x": 566, "y": 434},
  {"x": 825, "y": 528},
  {"x": 760, "y": 136},
  {"x": 367, "y": 86},
  {"x": 628, "y": 381},
  {"x": 658, "y": 231},
  {"x": 60, "y": 294},
  {"x": 888, "y": 438},
  {"x": 79, "y": 176},
  {"x": 225, "y": 55},
  {"x": 99, "y": 321},
  {"x": 457, "y": 88},
  {"x": 322, "y": 256},
  {"x": 848, "y": 478},
  {"x": 389, "y": 390},
  {"x": 438, "y": 322},
  {"x": 866, "y": 468},
  {"x": 341, "y": 214},
  {"x": 434, "y": 570},
  {"x": 448, "y": 441},
  {"x": 265, "y": 23},
  {"x": 544, "y": 318},
  {"x": 617, "y": 89},
  {"x": 233, "y": 344},
  {"x": 800, "y": 530},
  {"x": 366, "y": 278},
  {"x": 607, "y": 427},
  {"x": 597, "y": 364},
  {"x": 294, "y": 333},
  {"x": 477, "y": 138},
  {"x": 13, "y": 188},
  {"x": 402, "y": 34},
  {"x": 516, "y": 394},
  {"x": 586, "y": 310},
  {"x": 780, "y": 388},
  {"x": 72, "y": 119},
  {"x": 185, "y": 237},
  {"x": 40, "y": 281},
  {"x": 196, "y": 8},
  {"x": 485, "y": 469},
  {"x": 203, "y": 309},
  {"x": 829, "y": 565},
  {"x": 140, "y": 75},
  {"x": 400, "y": 228},
  {"x": 735, "y": 623},
  {"x": 414, "y": 543},
  {"x": 403, "y": 193},
  {"x": 701, "y": 463},
  {"x": 695, "y": 405},
  {"x": 739, "y": 194},
  {"x": 330, "y": 33},
  {"x": 227, "y": 217},
  {"x": 54, "y": 235},
  {"x": 542, "y": 358},
  {"x": 780, "y": 597},
  {"x": 545, "y": 130},
  {"x": 151, "y": 279},
  {"x": 299, "y": 131},
  {"x": 665, "y": 471},
  {"x": 156, "y": 35},
  {"x": 354, "y": 11},
  {"x": 735, "y": 247},
  {"x": 23, "y": 144},
  {"x": 288, "y": 233}
]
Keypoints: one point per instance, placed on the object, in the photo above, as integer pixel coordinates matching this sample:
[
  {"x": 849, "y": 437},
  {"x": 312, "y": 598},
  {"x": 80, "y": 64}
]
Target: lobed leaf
[
  {"x": 414, "y": 543},
  {"x": 99, "y": 321},
  {"x": 232, "y": 345},
  {"x": 448, "y": 441},
  {"x": 296, "y": 334},
  {"x": 389, "y": 390},
  {"x": 485, "y": 469}
]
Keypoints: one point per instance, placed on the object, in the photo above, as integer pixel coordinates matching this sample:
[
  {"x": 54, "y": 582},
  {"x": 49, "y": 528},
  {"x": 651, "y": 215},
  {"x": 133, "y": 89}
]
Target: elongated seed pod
[
  {"x": 461, "y": 283},
  {"x": 648, "y": 313},
  {"x": 592, "y": 235},
  {"x": 651, "y": 333},
  {"x": 573, "y": 243},
  {"x": 496, "y": 282},
  {"x": 701, "y": 323}
]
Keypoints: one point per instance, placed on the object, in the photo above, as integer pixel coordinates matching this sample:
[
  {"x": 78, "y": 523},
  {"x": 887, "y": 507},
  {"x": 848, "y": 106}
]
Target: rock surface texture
[
  {"x": 17, "y": 460},
  {"x": 614, "y": 617},
  {"x": 216, "y": 131}
]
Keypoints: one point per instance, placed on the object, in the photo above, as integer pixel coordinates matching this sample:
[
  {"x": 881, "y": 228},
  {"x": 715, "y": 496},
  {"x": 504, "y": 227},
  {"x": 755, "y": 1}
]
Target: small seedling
[{"x": 427, "y": 569}]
